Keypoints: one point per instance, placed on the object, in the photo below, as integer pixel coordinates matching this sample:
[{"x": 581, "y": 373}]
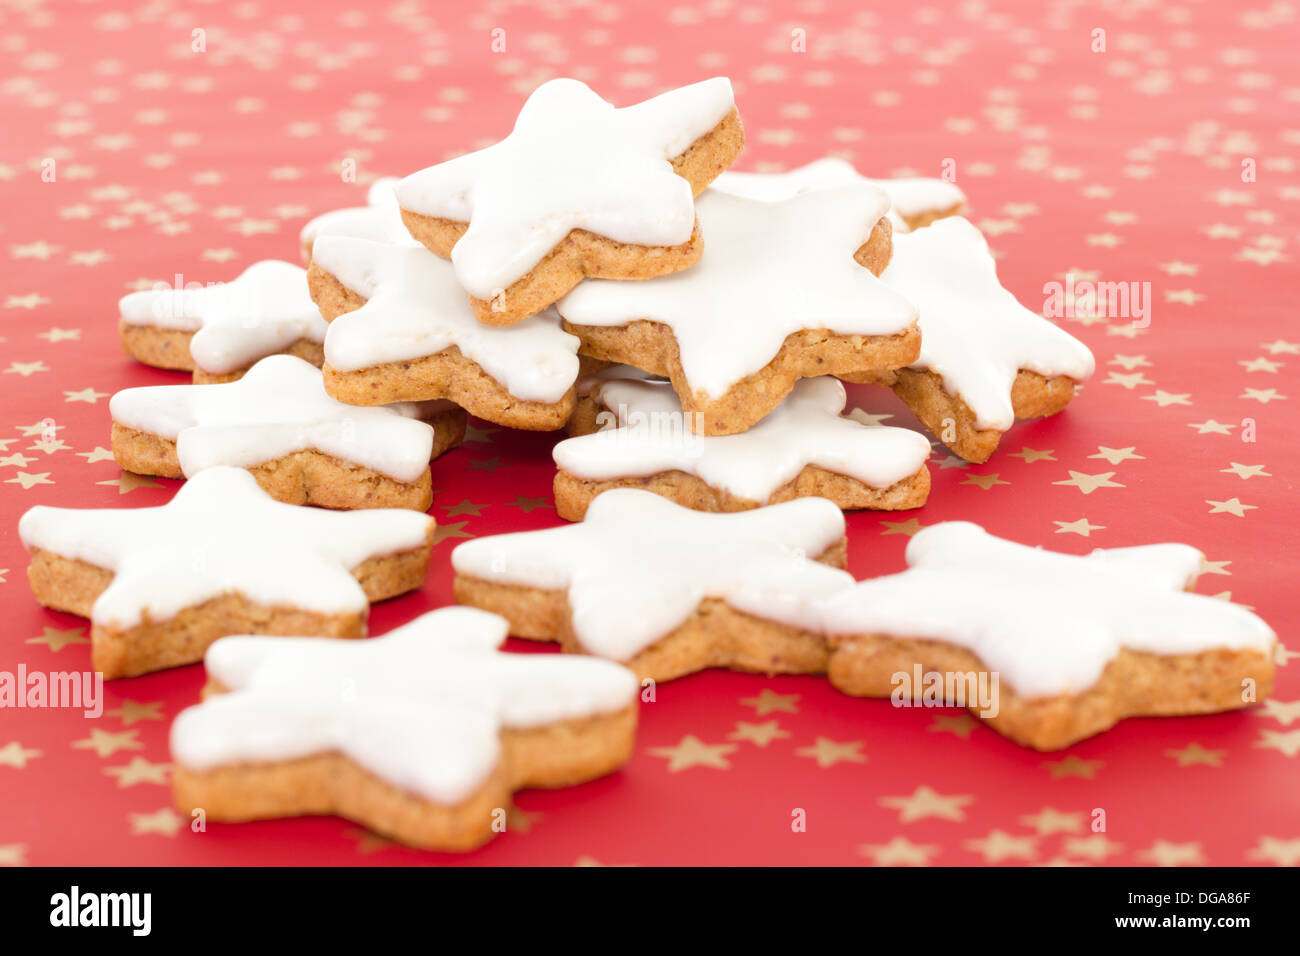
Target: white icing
[
  {"x": 421, "y": 707},
  {"x": 769, "y": 269},
  {"x": 279, "y": 407},
  {"x": 263, "y": 311},
  {"x": 912, "y": 196},
  {"x": 573, "y": 161},
  {"x": 380, "y": 220},
  {"x": 1047, "y": 623},
  {"x": 639, "y": 565},
  {"x": 222, "y": 534},
  {"x": 805, "y": 429},
  {"x": 974, "y": 334},
  {"x": 416, "y": 308}
]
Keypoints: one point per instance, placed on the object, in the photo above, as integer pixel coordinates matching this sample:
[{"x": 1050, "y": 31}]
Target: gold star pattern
[
  {"x": 1117, "y": 455},
  {"x": 1231, "y": 507},
  {"x": 1079, "y": 527},
  {"x": 1211, "y": 427},
  {"x": 57, "y": 640},
  {"x": 1285, "y": 742},
  {"x": 13, "y": 854},
  {"x": 369, "y": 842},
  {"x": 1281, "y": 348},
  {"x": 1260, "y": 365},
  {"x": 1164, "y": 853},
  {"x": 925, "y": 803},
  {"x": 1031, "y": 455},
  {"x": 16, "y": 460},
  {"x": 758, "y": 734},
  {"x": 442, "y": 532},
  {"x": 693, "y": 752},
  {"x": 1049, "y": 820},
  {"x": 30, "y": 481},
  {"x": 770, "y": 702},
  {"x": 105, "y": 743},
  {"x": 488, "y": 465},
  {"x": 959, "y": 725},
  {"x": 1089, "y": 483},
  {"x": 1282, "y": 711},
  {"x": 866, "y": 418},
  {"x": 899, "y": 851},
  {"x": 482, "y": 435},
  {"x": 465, "y": 507},
  {"x": 1245, "y": 471},
  {"x": 1130, "y": 362},
  {"x": 139, "y": 770},
  {"x": 98, "y": 453},
  {"x": 829, "y": 752},
  {"x": 1094, "y": 846},
  {"x": 60, "y": 335},
  {"x": 1072, "y": 766},
  {"x": 1262, "y": 395},
  {"x": 909, "y": 527},
  {"x": 164, "y": 822},
  {"x": 1165, "y": 399},
  {"x": 129, "y": 482},
  {"x": 1273, "y": 850},
  {"x": 26, "y": 369},
  {"x": 1194, "y": 754},
  {"x": 1129, "y": 381},
  {"x": 14, "y": 754},
  {"x": 984, "y": 481},
  {"x": 529, "y": 505},
  {"x": 131, "y": 711},
  {"x": 1000, "y": 845},
  {"x": 521, "y": 821},
  {"x": 87, "y": 395}
]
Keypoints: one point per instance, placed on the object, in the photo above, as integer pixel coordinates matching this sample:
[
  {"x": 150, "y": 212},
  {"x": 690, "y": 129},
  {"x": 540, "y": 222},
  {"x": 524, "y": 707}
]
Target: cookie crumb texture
[
  {"x": 583, "y": 254},
  {"x": 72, "y": 585},
  {"x": 556, "y": 755}
]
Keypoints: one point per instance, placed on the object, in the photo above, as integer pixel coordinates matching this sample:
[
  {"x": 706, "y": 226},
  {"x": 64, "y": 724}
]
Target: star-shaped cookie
[
  {"x": 785, "y": 291},
  {"x": 219, "y": 329},
  {"x": 666, "y": 590},
  {"x": 1063, "y": 646},
  {"x": 422, "y": 734},
  {"x": 985, "y": 359},
  {"x": 302, "y": 446},
  {"x": 914, "y": 201},
  {"x": 161, "y": 584},
  {"x": 579, "y": 188},
  {"x": 379, "y": 219},
  {"x": 401, "y": 330},
  {"x": 802, "y": 448}
]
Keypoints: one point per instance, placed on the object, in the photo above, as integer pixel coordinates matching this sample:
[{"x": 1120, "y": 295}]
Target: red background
[{"x": 1120, "y": 162}]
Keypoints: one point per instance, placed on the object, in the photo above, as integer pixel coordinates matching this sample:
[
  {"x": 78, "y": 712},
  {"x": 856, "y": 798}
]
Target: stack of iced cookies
[{"x": 600, "y": 271}]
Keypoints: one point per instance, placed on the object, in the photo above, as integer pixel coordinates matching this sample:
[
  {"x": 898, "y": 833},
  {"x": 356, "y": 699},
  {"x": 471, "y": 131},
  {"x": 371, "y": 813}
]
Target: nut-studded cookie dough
[
  {"x": 218, "y": 330},
  {"x": 401, "y": 330},
  {"x": 914, "y": 201},
  {"x": 786, "y": 291},
  {"x": 665, "y": 590},
  {"x": 803, "y": 448},
  {"x": 422, "y": 734},
  {"x": 985, "y": 359},
  {"x": 302, "y": 446},
  {"x": 1063, "y": 647},
  {"x": 161, "y": 584},
  {"x": 579, "y": 188}
]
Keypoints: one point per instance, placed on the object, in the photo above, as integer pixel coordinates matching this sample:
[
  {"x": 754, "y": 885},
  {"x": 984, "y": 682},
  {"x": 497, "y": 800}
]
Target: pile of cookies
[{"x": 601, "y": 271}]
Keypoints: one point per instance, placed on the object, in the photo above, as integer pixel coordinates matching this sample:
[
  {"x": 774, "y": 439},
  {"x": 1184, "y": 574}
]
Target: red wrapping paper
[{"x": 1166, "y": 157}]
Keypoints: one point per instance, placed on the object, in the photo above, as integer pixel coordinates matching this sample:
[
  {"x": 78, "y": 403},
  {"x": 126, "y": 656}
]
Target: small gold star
[
  {"x": 87, "y": 395},
  {"x": 465, "y": 507},
  {"x": 984, "y": 481},
  {"x": 1072, "y": 766},
  {"x": 444, "y": 531},
  {"x": 768, "y": 702},
  {"x": 15, "y": 755},
  {"x": 1117, "y": 455},
  {"x": 959, "y": 725},
  {"x": 758, "y": 734},
  {"x": 13, "y": 854},
  {"x": 139, "y": 770},
  {"x": 99, "y": 453},
  {"x": 483, "y": 435},
  {"x": 1232, "y": 507},
  {"x": 529, "y": 505},
  {"x": 1031, "y": 455},
  {"x": 57, "y": 640},
  {"x": 368, "y": 841},
  {"x": 1194, "y": 754},
  {"x": 60, "y": 335},
  {"x": 1080, "y": 527},
  {"x": 29, "y": 480},
  {"x": 1281, "y": 348},
  {"x": 1090, "y": 483},
  {"x": 899, "y": 851},
  {"x": 1211, "y": 427},
  {"x": 520, "y": 821},
  {"x": 909, "y": 527},
  {"x": 828, "y": 752},
  {"x": 1282, "y": 711},
  {"x": 1260, "y": 365},
  {"x": 131, "y": 711},
  {"x": 164, "y": 822},
  {"x": 693, "y": 752},
  {"x": 1274, "y": 850},
  {"x": 1094, "y": 846},
  {"x": 1284, "y": 741},
  {"x": 1245, "y": 471},
  {"x": 1164, "y": 853},
  {"x": 488, "y": 465},
  {"x": 129, "y": 482},
  {"x": 1129, "y": 381},
  {"x": 1050, "y": 820},
  {"x": 105, "y": 743},
  {"x": 866, "y": 418},
  {"x": 1262, "y": 395},
  {"x": 1165, "y": 399},
  {"x": 1000, "y": 845},
  {"x": 925, "y": 803},
  {"x": 1130, "y": 362}
]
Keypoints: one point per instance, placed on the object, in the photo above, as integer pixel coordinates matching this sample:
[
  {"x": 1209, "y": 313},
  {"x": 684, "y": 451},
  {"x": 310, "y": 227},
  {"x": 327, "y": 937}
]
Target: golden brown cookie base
[
  {"x": 922, "y": 219},
  {"x": 651, "y": 346},
  {"x": 949, "y": 417},
  {"x": 446, "y": 374},
  {"x": 557, "y": 755},
  {"x": 573, "y": 495},
  {"x": 715, "y": 635},
  {"x": 72, "y": 585},
  {"x": 170, "y": 349},
  {"x": 583, "y": 254},
  {"x": 1134, "y": 684}
]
